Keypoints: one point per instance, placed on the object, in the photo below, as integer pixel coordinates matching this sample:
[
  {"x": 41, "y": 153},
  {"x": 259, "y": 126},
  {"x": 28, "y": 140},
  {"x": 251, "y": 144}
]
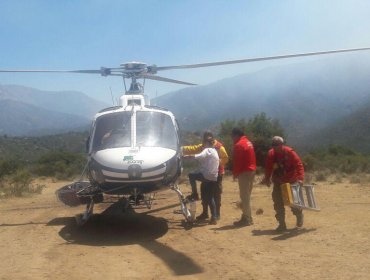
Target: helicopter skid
[
  {"x": 81, "y": 219},
  {"x": 188, "y": 208}
]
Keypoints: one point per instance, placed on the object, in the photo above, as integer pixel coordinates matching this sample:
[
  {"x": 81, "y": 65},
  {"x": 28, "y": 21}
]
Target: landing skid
[
  {"x": 188, "y": 208},
  {"x": 83, "y": 192},
  {"x": 148, "y": 200},
  {"x": 81, "y": 219}
]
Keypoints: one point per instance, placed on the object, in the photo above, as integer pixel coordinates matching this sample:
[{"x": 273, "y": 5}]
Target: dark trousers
[
  {"x": 209, "y": 190},
  {"x": 277, "y": 198},
  {"x": 217, "y": 196},
  {"x": 193, "y": 178}
]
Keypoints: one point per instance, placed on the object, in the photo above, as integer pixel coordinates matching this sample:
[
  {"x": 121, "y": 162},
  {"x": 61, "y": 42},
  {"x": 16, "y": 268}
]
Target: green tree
[{"x": 259, "y": 129}]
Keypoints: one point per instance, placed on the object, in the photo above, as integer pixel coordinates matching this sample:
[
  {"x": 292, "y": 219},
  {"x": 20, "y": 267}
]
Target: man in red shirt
[
  {"x": 244, "y": 169},
  {"x": 283, "y": 165}
]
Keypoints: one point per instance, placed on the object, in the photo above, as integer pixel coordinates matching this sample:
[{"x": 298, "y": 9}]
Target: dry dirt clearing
[{"x": 40, "y": 240}]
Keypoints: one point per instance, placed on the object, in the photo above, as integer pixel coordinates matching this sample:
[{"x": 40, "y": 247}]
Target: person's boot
[
  {"x": 213, "y": 221},
  {"x": 243, "y": 222},
  {"x": 193, "y": 196},
  {"x": 202, "y": 217},
  {"x": 300, "y": 220},
  {"x": 218, "y": 213},
  {"x": 281, "y": 227}
]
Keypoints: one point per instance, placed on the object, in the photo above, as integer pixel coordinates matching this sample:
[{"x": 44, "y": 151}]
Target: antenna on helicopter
[{"x": 111, "y": 94}]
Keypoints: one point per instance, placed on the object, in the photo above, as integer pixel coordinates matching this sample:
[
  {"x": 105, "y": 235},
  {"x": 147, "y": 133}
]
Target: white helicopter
[{"x": 134, "y": 148}]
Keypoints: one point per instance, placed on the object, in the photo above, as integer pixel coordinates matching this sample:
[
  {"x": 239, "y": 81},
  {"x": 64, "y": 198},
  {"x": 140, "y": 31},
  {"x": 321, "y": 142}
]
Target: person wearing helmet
[{"x": 283, "y": 165}]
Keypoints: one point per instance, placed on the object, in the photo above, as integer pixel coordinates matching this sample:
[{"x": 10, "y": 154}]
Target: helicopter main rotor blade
[
  {"x": 160, "y": 68},
  {"x": 55, "y": 71},
  {"x": 162, "y": 79},
  {"x": 102, "y": 71}
]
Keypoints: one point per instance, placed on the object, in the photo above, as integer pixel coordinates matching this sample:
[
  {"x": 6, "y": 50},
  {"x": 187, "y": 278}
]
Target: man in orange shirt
[{"x": 244, "y": 169}]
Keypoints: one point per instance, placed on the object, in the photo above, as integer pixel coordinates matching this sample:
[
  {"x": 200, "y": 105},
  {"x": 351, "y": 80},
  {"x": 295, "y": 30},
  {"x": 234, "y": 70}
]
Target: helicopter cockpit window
[
  {"x": 112, "y": 131},
  {"x": 155, "y": 129}
]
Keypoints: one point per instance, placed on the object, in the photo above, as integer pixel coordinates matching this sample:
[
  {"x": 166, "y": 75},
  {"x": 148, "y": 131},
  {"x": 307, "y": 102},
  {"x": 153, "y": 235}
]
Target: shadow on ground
[
  {"x": 290, "y": 233},
  {"x": 113, "y": 228}
]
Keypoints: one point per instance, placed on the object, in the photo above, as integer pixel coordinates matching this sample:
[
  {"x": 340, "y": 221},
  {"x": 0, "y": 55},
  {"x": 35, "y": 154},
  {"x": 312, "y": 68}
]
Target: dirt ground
[{"x": 40, "y": 240}]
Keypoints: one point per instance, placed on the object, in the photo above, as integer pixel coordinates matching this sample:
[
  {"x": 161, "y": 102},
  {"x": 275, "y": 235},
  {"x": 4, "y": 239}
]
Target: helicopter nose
[{"x": 134, "y": 171}]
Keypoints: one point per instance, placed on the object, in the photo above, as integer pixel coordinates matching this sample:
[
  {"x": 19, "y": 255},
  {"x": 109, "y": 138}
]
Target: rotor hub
[{"x": 134, "y": 66}]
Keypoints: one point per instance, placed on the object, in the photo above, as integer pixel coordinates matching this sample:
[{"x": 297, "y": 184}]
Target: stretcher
[{"x": 303, "y": 197}]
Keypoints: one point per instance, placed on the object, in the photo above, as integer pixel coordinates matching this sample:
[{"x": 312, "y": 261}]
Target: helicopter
[{"x": 133, "y": 149}]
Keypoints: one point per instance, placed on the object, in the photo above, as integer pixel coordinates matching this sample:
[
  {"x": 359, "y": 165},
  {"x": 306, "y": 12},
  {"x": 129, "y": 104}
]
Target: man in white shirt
[{"x": 207, "y": 173}]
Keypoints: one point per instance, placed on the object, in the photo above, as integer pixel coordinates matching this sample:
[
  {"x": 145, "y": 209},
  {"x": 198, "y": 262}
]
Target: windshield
[
  {"x": 112, "y": 131},
  {"x": 155, "y": 129}
]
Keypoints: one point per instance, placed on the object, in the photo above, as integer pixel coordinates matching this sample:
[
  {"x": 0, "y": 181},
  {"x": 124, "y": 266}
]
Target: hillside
[
  {"x": 18, "y": 118},
  {"x": 306, "y": 97},
  {"x": 317, "y": 102},
  {"x": 350, "y": 131},
  {"x": 28, "y": 112},
  {"x": 69, "y": 102}
]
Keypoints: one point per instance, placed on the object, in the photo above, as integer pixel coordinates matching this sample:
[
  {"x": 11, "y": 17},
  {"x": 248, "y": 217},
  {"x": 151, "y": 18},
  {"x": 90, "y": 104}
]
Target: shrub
[
  {"x": 309, "y": 162},
  {"x": 338, "y": 178},
  {"x": 60, "y": 164},
  {"x": 337, "y": 159},
  {"x": 320, "y": 177},
  {"x": 355, "y": 180},
  {"x": 8, "y": 167},
  {"x": 19, "y": 184}
]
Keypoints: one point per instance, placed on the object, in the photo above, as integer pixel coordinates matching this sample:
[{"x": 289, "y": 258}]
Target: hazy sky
[{"x": 72, "y": 34}]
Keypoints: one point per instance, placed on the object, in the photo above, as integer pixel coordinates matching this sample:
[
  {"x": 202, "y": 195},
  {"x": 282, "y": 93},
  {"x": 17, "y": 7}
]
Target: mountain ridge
[
  {"x": 312, "y": 100},
  {"x": 78, "y": 102},
  {"x": 304, "y": 97},
  {"x": 26, "y": 111},
  {"x": 18, "y": 118}
]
